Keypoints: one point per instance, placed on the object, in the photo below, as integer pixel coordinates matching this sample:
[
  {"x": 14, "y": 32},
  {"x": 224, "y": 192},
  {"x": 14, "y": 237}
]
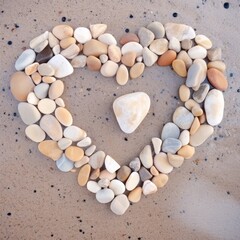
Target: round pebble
[
  {"x": 105, "y": 195},
  {"x": 120, "y": 204},
  {"x": 35, "y": 133}
]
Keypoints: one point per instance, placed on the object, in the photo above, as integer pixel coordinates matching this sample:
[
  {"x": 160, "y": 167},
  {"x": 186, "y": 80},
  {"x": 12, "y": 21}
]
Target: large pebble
[
  {"x": 97, "y": 159},
  {"x": 105, "y": 195},
  {"x": 183, "y": 118},
  {"x": 170, "y": 130},
  {"x": 123, "y": 173},
  {"x": 46, "y": 106},
  {"x": 171, "y": 145},
  {"x": 26, "y": 58},
  {"x": 157, "y": 143},
  {"x": 197, "y": 52},
  {"x": 117, "y": 186},
  {"x": 132, "y": 47},
  {"x": 84, "y": 174},
  {"x": 149, "y": 188},
  {"x": 64, "y": 164},
  {"x": 157, "y": 28},
  {"x": 97, "y": 29},
  {"x": 94, "y": 48},
  {"x": 146, "y": 156},
  {"x": 145, "y": 36},
  {"x": 35, "y": 133},
  {"x": 82, "y": 34},
  {"x": 74, "y": 133},
  {"x": 217, "y": 79},
  {"x": 196, "y": 75},
  {"x": 56, "y": 89},
  {"x": 93, "y": 187},
  {"x": 120, "y": 204},
  {"x": 62, "y": 31},
  {"x": 109, "y": 69},
  {"x": 149, "y": 58},
  {"x": 133, "y": 181},
  {"x": 28, "y": 113},
  {"x": 159, "y": 46},
  {"x": 162, "y": 164},
  {"x": 50, "y": 149},
  {"x": 111, "y": 164},
  {"x": 214, "y": 107},
  {"x": 160, "y": 180},
  {"x": 64, "y": 116},
  {"x": 200, "y": 95},
  {"x": 135, "y": 195}
]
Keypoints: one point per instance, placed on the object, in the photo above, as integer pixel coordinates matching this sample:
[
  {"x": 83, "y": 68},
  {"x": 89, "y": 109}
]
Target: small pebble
[
  {"x": 217, "y": 79},
  {"x": 32, "y": 99},
  {"x": 62, "y": 31},
  {"x": 203, "y": 41},
  {"x": 137, "y": 70},
  {"x": 160, "y": 180},
  {"x": 46, "y": 106},
  {"x": 107, "y": 39},
  {"x": 117, "y": 186},
  {"x": 74, "y": 153},
  {"x": 64, "y": 164},
  {"x": 159, "y": 46},
  {"x": 104, "y": 183},
  {"x": 132, "y": 47},
  {"x": 135, "y": 195},
  {"x": 171, "y": 145},
  {"x": 122, "y": 75},
  {"x": 162, "y": 164},
  {"x": 146, "y": 36},
  {"x": 133, "y": 181},
  {"x": 41, "y": 90},
  {"x": 170, "y": 130},
  {"x": 146, "y": 156},
  {"x": 167, "y": 58},
  {"x": 93, "y": 63},
  {"x": 183, "y": 118},
  {"x": 85, "y": 142},
  {"x": 149, "y": 188},
  {"x": 82, "y": 34},
  {"x": 50, "y": 149},
  {"x": 90, "y": 150},
  {"x": 105, "y": 174},
  {"x": 105, "y": 195},
  {"x": 74, "y": 133},
  {"x": 83, "y": 175},
  {"x": 157, "y": 143},
  {"x": 197, "y": 52},
  {"x": 64, "y": 143},
  {"x": 63, "y": 116},
  {"x": 186, "y": 151},
  {"x": 56, "y": 89},
  {"x": 97, "y": 159},
  {"x": 157, "y": 28},
  {"x": 135, "y": 164},
  {"x": 120, "y": 204},
  {"x": 184, "y": 137},
  {"x": 111, "y": 164},
  {"x": 214, "y": 54},
  {"x": 200, "y": 95},
  {"x": 175, "y": 160},
  {"x": 94, "y": 48},
  {"x": 97, "y": 29},
  {"x": 129, "y": 37},
  {"x": 93, "y": 187},
  {"x": 144, "y": 174},
  {"x": 84, "y": 160},
  {"x": 184, "y": 93},
  {"x": 109, "y": 69},
  {"x": 179, "y": 67}
]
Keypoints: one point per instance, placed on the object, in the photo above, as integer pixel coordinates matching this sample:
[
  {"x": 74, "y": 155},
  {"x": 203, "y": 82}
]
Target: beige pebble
[
  {"x": 32, "y": 99},
  {"x": 203, "y": 41},
  {"x": 146, "y": 156},
  {"x": 28, "y": 113},
  {"x": 129, "y": 58},
  {"x": 50, "y": 149},
  {"x": 52, "y": 40},
  {"x": 105, "y": 195},
  {"x": 159, "y": 46},
  {"x": 149, "y": 58},
  {"x": 90, "y": 150},
  {"x": 74, "y": 153},
  {"x": 46, "y": 69},
  {"x": 120, "y": 204},
  {"x": 190, "y": 104},
  {"x": 111, "y": 164},
  {"x": 135, "y": 195},
  {"x": 26, "y": 58},
  {"x": 157, "y": 143},
  {"x": 184, "y": 137},
  {"x": 87, "y": 141},
  {"x": 174, "y": 44},
  {"x": 103, "y": 58},
  {"x": 71, "y": 52},
  {"x": 108, "y": 39},
  {"x": 95, "y": 174},
  {"x": 49, "y": 80},
  {"x": 35, "y": 133},
  {"x": 60, "y": 102},
  {"x": 195, "y": 126},
  {"x": 186, "y": 44},
  {"x": 104, "y": 183},
  {"x": 197, "y": 111},
  {"x": 46, "y": 106},
  {"x": 179, "y": 67},
  {"x": 122, "y": 75},
  {"x": 149, "y": 187},
  {"x": 37, "y": 40},
  {"x": 97, "y": 29},
  {"x": 219, "y": 65},
  {"x": 81, "y": 162},
  {"x": 79, "y": 61},
  {"x": 56, "y": 49},
  {"x": 154, "y": 171},
  {"x": 202, "y": 118},
  {"x": 93, "y": 63},
  {"x": 183, "y": 55},
  {"x": 157, "y": 28},
  {"x": 129, "y": 37},
  {"x": 123, "y": 173},
  {"x": 64, "y": 116},
  {"x": 109, "y": 69},
  {"x": 160, "y": 180},
  {"x": 66, "y": 42},
  {"x": 145, "y": 36},
  {"x": 197, "y": 52},
  {"x": 41, "y": 90},
  {"x": 132, "y": 47},
  {"x": 94, "y": 48},
  {"x": 74, "y": 133},
  {"x": 56, "y": 89},
  {"x": 137, "y": 70},
  {"x": 64, "y": 143},
  {"x": 62, "y": 31},
  {"x": 105, "y": 174},
  {"x": 133, "y": 181},
  {"x": 162, "y": 164},
  {"x": 114, "y": 53},
  {"x": 93, "y": 187},
  {"x": 175, "y": 160},
  {"x": 186, "y": 151},
  {"x": 184, "y": 93},
  {"x": 36, "y": 77},
  {"x": 97, "y": 159},
  {"x": 117, "y": 186},
  {"x": 32, "y": 68},
  {"x": 83, "y": 175},
  {"x": 183, "y": 118}
]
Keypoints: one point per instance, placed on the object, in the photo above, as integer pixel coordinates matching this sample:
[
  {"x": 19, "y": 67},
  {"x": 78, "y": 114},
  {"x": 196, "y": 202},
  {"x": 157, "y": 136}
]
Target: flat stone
[
  {"x": 157, "y": 28},
  {"x": 195, "y": 126},
  {"x": 83, "y": 175},
  {"x": 32, "y": 68},
  {"x": 123, "y": 173},
  {"x": 109, "y": 69},
  {"x": 82, "y": 34},
  {"x": 149, "y": 188},
  {"x": 159, "y": 46},
  {"x": 129, "y": 37},
  {"x": 217, "y": 79},
  {"x": 132, "y": 47},
  {"x": 35, "y": 133},
  {"x": 36, "y": 77},
  {"x": 41, "y": 90},
  {"x": 35, "y": 41},
  {"x": 52, "y": 40},
  {"x": 64, "y": 164},
  {"x": 84, "y": 160},
  {"x": 203, "y": 41},
  {"x": 48, "y": 79},
  {"x": 133, "y": 181},
  {"x": 105, "y": 174},
  {"x": 111, "y": 164},
  {"x": 74, "y": 153},
  {"x": 103, "y": 58},
  {"x": 135, "y": 195},
  {"x": 197, "y": 52},
  {"x": 179, "y": 67},
  {"x": 174, "y": 44},
  {"x": 200, "y": 95},
  {"x": 79, "y": 61},
  {"x": 97, "y": 29},
  {"x": 51, "y": 126},
  {"x": 64, "y": 143},
  {"x": 135, "y": 164},
  {"x": 144, "y": 174},
  {"x": 145, "y": 36},
  {"x": 184, "y": 137},
  {"x": 97, "y": 159},
  {"x": 129, "y": 58},
  {"x": 105, "y": 195},
  {"x": 21, "y": 85},
  {"x": 137, "y": 70},
  {"x": 186, "y": 44},
  {"x": 175, "y": 160},
  {"x": 108, "y": 39},
  {"x": 114, "y": 53},
  {"x": 160, "y": 180},
  {"x": 186, "y": 151},
  {"x": 64, "y": 116},
  {"x": 28, "y": 113},
  {"x": 219, "y": 65},
  {"x": 183, "y": 118},
  {"x": 167, "y": 58},
  {"x": 154, "y": 171},
  {"x": 32, "y": 98},
  {"x": 71, "y": 52},
  {"x": 87, "y": 141},
  {"x": 149, "y": 58},
  {"x": 117, "y": 186},
  {"x": 39, "y": 48},
  {"x": 66, "y": 42},
  {"x": 214, "y": 54},
  {"x": 184, "y": 93},
  {"x": 50, "y": 149},
  {"x": 56, "y": 89},
  {"x": 46, "y": 106},
  {"x": 93, "y": 187},
  {"x": 120, "y": 204},
  {"x": 94, "y": 48},
  {"x": 214, "y": 107},
  {"x": 171, "y": 145},
  {"x": 62, "y": 31},
  {"x": 104, "y": 182},
  {"x": 183, "y": 55},
  {"x": 130, "y": 110},
  {"x": 162, "y": 164},
  {"x": 60, "y": 102},
  {"x": 26, "y": 58},
  {"x": 90, "y": 150},
  {"x": 146, "y": 156},
  {"x": 74, "y": 133},
  {"x": 170, "y": 130},
  {"x": 157, "y": 143},
  {"x": 122, "y": 75}
]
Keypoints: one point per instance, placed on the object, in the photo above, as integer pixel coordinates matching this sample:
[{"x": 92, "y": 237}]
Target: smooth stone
[
  {"x": 214, "y": 54},
  {"x": 219, "y": 65},
  {"x": 120, "y": 204},
  {"x": 28, "y": 113},
  {"x": 130, "y": 110},
  {"x": 97, "y": 29},
  {"x": 36, "y": 77},
  {"x": 74, "y": 133},
  {"x": 132, "y": 47},
  {"x": 129, "y": 37},
  {"x": 35, "y": 41},
  {"x": 186, "y": 151},
  {"x": 157, "y": 143},
  {"x": 146, "y": 156},
  {"x": 105, "y": 195},
  {"x": 105, "y": 174},
  {"x": 111, "y": 164},
  {"x": 87, "y": 141},
  {"x": 79, "y": 61},
  {"x": 217, "y": 79},
  {"x": 56, "y": 89},
  {"x": 160, "y": 180},
  {"x": 183, "y": 118},
  {"x": 51, "y": 126},
  {"x": 84, "y": 174},
  {"x": 104, "y": 182},
  {"x": 52, "y": 40},
  {"x": 90, "y": 150},
  {"x": 64, "y": 164},
  {"x": 214, "y": 107},
  {"x": 117, "y": 186},
  {"x": 21, "y": 85},
  {"x": 93, "y": 63},
  {"x": 183, "y": 55},
  {"x": 149, "y": 187},
  {"x": 62, "y": 31},
  {"x": 66, "y": 42},
  {"x": 135, "y": 164},
  {"x": 190, "y": 104},
  {"x": 35, "y": 133},
  {"x": 145, "y": 36},
  {"x": 149, "y": 58},
  {"x": 94, "y": 48},
  {"x": 154, "y": 171},
  {"x": 167, "y": 58},
  {"x": 122, "y": 75},
  {"x": 157, "y": 28},
  {"x": 135, "y": 195},
  {"x": 162, "y": 164},
  {"x": 203, "y": 41},
  {"x": 133, "y": 181},
  {"x": 108, "y": 39},
  {"x": 93, "y": 187},
  {"x": 197, "y": 52},
  {"x": 32, "y": 68},
  {"x": 171, "y": 145},
  {"x": 184, "y": 137},
  {"x": 97, "y": 159},
  {"x": 114, "y": 53},
  {"x": 60, "y": 102},
  {"x": 32, "y": 98},
  {"x": 41, "y": 90},
  {"x": 137, "y": 70},
  {"x": 46, "y": 106},
  {"x": 26, "y": 58},
  {"x": 49, "y": 80},
  {"x": 174, "y": 44},
  {"x": 129, "y": 58},
  {"x": 41, "y": 46},
  {"x": 186, "y": 44},
  {"x": 159, "y": 46},
  {"x": 84, "y": 160},
  {"x": 103, "y": 58},
  {"x": 56, "y": 50},
  {"x": 64, "y": 143},
  {"x": 74, "y": 153},
  {"x": 95, "y": 174},
  {"x": 170, "y": 130},
  {"x": 179, "y": 67},
  {"x": 109, "y": 69},
  {"x": 175, "y": 160},
  {"x": 144, "y": 174},
  {"x": 200, "y": 95},
  {"x": 71, "y": 52},
  {"x": 179, "y": 31},
  {"x": 195, "y": 126},
  {"x": 64, "y": 116},
  {"x": 50, "y": 149},
  {"x": 123, "y": 173},
  {"x": 82, "y": 34},
  {"x": 201, "y": 135},
  {"x": 61, "y": 66},
  {"x": 184, "y": 93}
]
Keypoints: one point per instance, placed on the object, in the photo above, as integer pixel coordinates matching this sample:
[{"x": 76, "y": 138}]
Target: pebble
[
  {"x": 109, "y": 69},
  {"x": 103, "y": 58},
  {"x": 162, "y": 164},
  {"x": 171, "y": 145},
  {"x": 132, "y": 47},
  {"x": 114, "y": 53},
  {"x": 202, "y": 118},
  {"x": 32, "y": 99},
  {"x": 39, "y": 48},
  {"x": 214, "y": 107},
  {"x": 157, "y": 28},
  {"x": 217, "y": 79},
  {"x": 93, "y": 63},
  {"x": 83, "y": 175},
  {"x": 195, "y": 126},
  {"x": 159, "y": 46},
  {"x": 170, "y": 130},
  {"x": 149, "y": 188},
  {"x": 186, "y": 44},
  {"x": 184, "y": 93},
  {"x": 133, "y": 181},
  {"x": 82, "y": 34},
  {"x": 214, "y": 54},
  {"x": 64, "y": 164},
  {"x": 219, "y": 65},
  {"x": 183, "y": 118},
  {"x": 179, "y": 31},
  {"x": 32, "y": 68},
  {"x": 104, "y": 182},
  {"x": 123, "y": 173},
  {"x": 50, "y": 149},
  {"x": 95, "y": 174},
  {"x": 179, "y": 67},
  {"x": 60, "y": 102},
  {"x": 157, "y": 143},
  {"x": 137, "y": 70},
  {"x": 35, "y": 133},
  {"x": 190, "y": 104},
  {"x": 146, "y": 156},
  {"x": 186, "y": 151},
  {"x": 37, "y": 40},
  {"x": 46, "y": 106},
  {"x": 183, "y": 55},
  {"x": 61, "y": 66},
  {"x": 111, "y": 164},
  {"x": 94, "y": 48},
  {"x": 79, "y": 61},
  {"x": 26, "y": 58},
  {"x": 74, "y": 133},
  {"x": 87, "y": 141},
  {"x": 74, "y": 153},
  {"x": 97, "y": 159},
  {"x": 84, "y": 160},
  {"x": 71, "y": 52},
  {"x": 197, "y": 52},
  {"x": 174, "y": 44},
  {"x": 56, "y": 50},
  {"x": 64, "y": 116},
  {"x": 28, "y": 113},
  {"x": 144, "y": 174},
  {"x": 154, "y": 171},
  {"x": 145, "y": 36},
  {"x": 21, "y": 85},
  {"x": 62, "y": 31},
  {"x": 129, "y": 58},
  {"x": 105, "y": 174},
  {"x": 129, "y": 37},
  {"x": 135, "y": 164},
  {"x": 135, "y": 195},
  {"x": 105, "y": 195},
  {"x": 52, "y": 40},
  {"x": 175, "y": 160},
  {"x": 200, "y": 95},
  {"x": 93, "y": 187},
  {"x": 51, "y": 126},
  {"x": 167, "y": 58},
  {"x": 122, "y": 75},
  {"x": 108, "y": 39},
  {"x": 117, "y": 186},
  {"x": 48, "y": 80},
  {"x": 64, "y": 143},
  {"x": 97, "y": 29},
  {"x": 90, "y": 150},
  {"x": 41, "y": 90},
  {"x": 203, "y": 41},
  {"x": 45, "y": 55},
  {"x": 184, "y": 137},
  {"x": 36, "y": 77},
  {"x": 130, "y": 110},
  {"x": 56, "y": 89},
  {"x": 149, "y": 58},
  {"x": 160, "y": 180},
  {"x": 66, "y": 42},
  {"x": 120, "y": 204}
]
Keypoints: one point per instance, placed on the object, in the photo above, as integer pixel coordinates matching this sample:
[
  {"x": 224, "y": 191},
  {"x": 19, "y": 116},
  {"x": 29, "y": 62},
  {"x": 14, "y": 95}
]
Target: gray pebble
[
  {"x": 144, "y": 174},
  {"x": 135, "y": 164},
  {"x": 200, "y": 95},
  {"x": 171, "y": 145},
  {"x": 170, "y": 130}
]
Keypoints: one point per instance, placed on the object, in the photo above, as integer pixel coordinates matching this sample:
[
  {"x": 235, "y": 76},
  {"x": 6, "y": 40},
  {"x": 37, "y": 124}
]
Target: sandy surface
[{"x": 201, "y": 200}]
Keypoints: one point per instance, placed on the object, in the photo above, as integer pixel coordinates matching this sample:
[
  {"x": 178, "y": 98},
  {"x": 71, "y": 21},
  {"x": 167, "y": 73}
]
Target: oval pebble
[
  {"x": 137, "y": 70},
  {"x": 109, "y": 69},
  {"x": 84, "y": 174},
  {"x": 46, "y": 106},
  {"x": 133, "y": 181},
  {"x": 82, "y": 34},
  {"x": 64, "y": 116},
  {"x": 170, "y": 130},
  {"x": 135, "y": 195},
  {"x": 46, "y": 69},
  {"x": 160, "y": 180},
  {"x": 217, "y": 79},
  {"x": 149, "y": 187},
  {"x": 41, "y": 90},
  {"x": 93, "y": 187},
  {"x": 184, "y": 137},
  {"x": 32, "y": 99},
  {"x": 111, "y": 165},
  {"x": 64, "y": 143},
  {"x": 132, "y": 47},
  {"x": 35, "y": 133},
  {"x": 50, "y": 149},
  {"x": 105, "y": 195},
  {"x": 197, "y": 52},
  {"x": 162, "y": 164},
  {"x": 179, "y": 67},
  {"x": 184, "y": 93},
  {"x": 120, "y": 204},
  {"x": 146, "y": 156},
  {"x": 64, "y": 164},
  {"x": 26, "y": 58},
  {"x": 167, "y": 58},
  {"x": 28, "y": 113},
  {"x": 159, "y": 46},
  {"x": 122, "y": 75},
  {"x": 186, "y": 151},
  {"x": 171, "y": 145},
  {"x": 183, "y": 118},
  {"x": 62, "y": 31},
  {"x": 117, "y": 186},
  {"x": 56, "y": 89},
  {"x": 108, "y": 39},
  {"x": 97, "y": 159},
  {"x": 74, "y": 133},
  {"x": 74, "y": 153}
]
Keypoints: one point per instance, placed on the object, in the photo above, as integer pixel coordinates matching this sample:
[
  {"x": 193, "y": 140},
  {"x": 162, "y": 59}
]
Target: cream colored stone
[
  {"x": 74, "y": 133},
  {"x": 137, "y": 70},
  {"x": 184, "y": 93},
  {"x": 133, "y": 181},
  {"x": 149, "y": 187},
  {"x": 32, "y": 68},
  {"x": 159, "y": 46},
  {"x": 50, "y": 149},
  {"x": 97, "y": 29},
  {"x": 84, "y": 174},
  {"x": 111, "y": 164},
  {"x": 135, "y": 195},
  {"x": 162, "y": 164},
  {"x": 109, "y": 69},
  {"x": 122, "y": 75},
  {"x": 175, "y": 160},
  {"x": 62, "y": 31},
  {"x": 28, "y": 113},
  {"x": 74, "y": 153},
  {"x": 64, "y": 143},
  {"x": 35, "y": 133},
  {"x": 157, "y": 143},
  {"x": 160, "y": 180},
  {"x": 64, "y": 116},
  {"x": 46, "y": 106}
]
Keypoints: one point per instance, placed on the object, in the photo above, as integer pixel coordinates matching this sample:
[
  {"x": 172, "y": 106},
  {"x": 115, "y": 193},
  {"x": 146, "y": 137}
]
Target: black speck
[
  {"x": 153, "y": 114},
  {"x": 52, "y": 235},
  {"x": 3, "y": 89},
  {"x": 89, "y": 89},
  {"x": 52, "y": 186},
  {"x": 226, "y": 5},
  {"x": 9, "y": 42},
  {"x": 130, "y": 16},
  {"x": 9, "y": 214},
  {"x": 175, "y": 14},
  {"x": 84, "y": 200},
  {"x": 64, "y": 19},
  {"x": 168, "y": 216},
  {"x": 126, "y": 139},
  {"x": 16, "y": 25},
  {"x": 34, "y": 191},
  {"x": 215, "y": 139},
  {"x": 231, "y": 74},
  {"x": 34, "y": 19},
  {"x": 2, "y": 11},
  {"x": 127, "y": 30},
  {"x": 14, "y": 114},
  {"x": 107, "y": 119},
  {"x": 238, "y": 90},
  {"x": 114, "y": 94},
  {"x": 205, "y": 159},
  {"x": 228, "y": 192}
]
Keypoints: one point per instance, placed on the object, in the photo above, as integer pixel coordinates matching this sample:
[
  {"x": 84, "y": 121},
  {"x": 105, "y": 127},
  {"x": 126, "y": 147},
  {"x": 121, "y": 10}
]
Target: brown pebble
[
  {"x": 74, "y": 153},
  {"x": 129, "y": 37},
  {"x": 217, "y": 79},
  {"x": 136, "y": 70},
  {"x": 45, "y": 55},
  {"x": 83, "y": 175},
  {"x": 32, "y": 68},
  {"x": 135, "y": 195},
  {"x": 129, "y": 58},
  {"x": 66, "y": 42},
  {"x": 186, "y": 151},
  {"x": 202, "y": 118},
  {"x": 179, "y": 67},
  {"x": 93, "y": 63},
  {"x": 160, "y": 180},
  {"x": 167, "y": 58},
  {"x": 50, "y": 149},
  {"x": 62, "y": 31},
  {"x": 36, "y": 77},
  {"x": 123, "y": 173}
]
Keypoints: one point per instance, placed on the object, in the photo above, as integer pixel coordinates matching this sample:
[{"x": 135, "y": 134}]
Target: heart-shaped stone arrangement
[{"x": 54, "y": 55}]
